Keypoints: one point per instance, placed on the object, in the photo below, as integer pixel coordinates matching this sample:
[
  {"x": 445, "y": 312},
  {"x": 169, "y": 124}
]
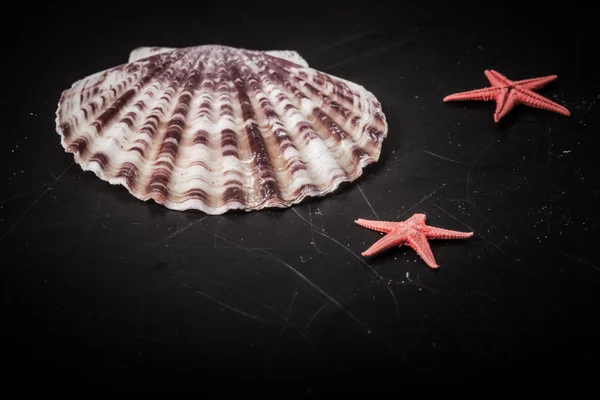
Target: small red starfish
[
  {"x": 507, "y": 94},
  {"x": 413, "y": 232}
]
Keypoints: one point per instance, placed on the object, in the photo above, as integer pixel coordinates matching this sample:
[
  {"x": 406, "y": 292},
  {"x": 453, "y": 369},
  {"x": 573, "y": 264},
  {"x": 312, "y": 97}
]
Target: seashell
[{"x": 217, "y": 128}]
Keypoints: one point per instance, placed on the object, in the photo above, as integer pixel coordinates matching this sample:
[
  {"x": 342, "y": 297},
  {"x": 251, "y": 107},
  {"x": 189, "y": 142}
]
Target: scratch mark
[
  {"x": 241, "y": 293},
  {"x": 314, "y": 286},
  {"x": 510, "y": 133},
  {"x": 445, "y": 158},
  {"x": 513, "y": 234},
  {"x": 177, "y": 232},
  {"x": 488, "y": 221},
  {"x": 589, "y": 264},
  {"x": 312, "y": 232},
  {"x": 329, "y": 297},
  {"x": 234, "y": 247},
  {"x": 16, "y": 196},
  {"x": 310, "y": 321},
  {"x": 35, "y": 202},
  {"x": 367, "y": 200},
  {"x": 55, "y": 178},
  {"x": 471, "y": 171},
  {"x": 286, "y": 318},
  {"x": 97, "y": 207},
  {"x": 477, "y": 233},
  {"x": 289, "y": 311},
  {"x": 229, "y": 307},
  {"x": 287, "y": 324},
  {"x": 368, "y": 266},
  {"x": 345, "y": 40},
  {"x": 417, "y": 282},
  {"x": 215, "y": 233},
  {"x": 305, "y": 220},
  {"x": 368, "y": 54},
  {"x": 422, "y": 200},
  {"x": 322, "y": 233},
  {"x": 312, "y": 226}
]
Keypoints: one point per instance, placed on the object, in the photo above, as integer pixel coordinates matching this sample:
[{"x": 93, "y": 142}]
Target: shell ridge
[
  {"x": 164, "y": 160},
  {"x": 151, "y": 132},
  {"x": 262, "y": 170},
  {"x": 112, "y": 112},
  {"x": 260, "y": 102},
  {"x": 305, "y": 129},
  {"x": 244, "y": 152},
  {"x": 338, "y": 111},
  {"x": 127, "y": 169},
  {"x": 344, "y": 142},
  {"x": 180, "y": 119},
  {"x": 294, "y": 164},
  {"x": 91, "y": 106},
  {"x": 235, "y": 193},
  {"x": 335, "y": 141},
  {"x": 144, "y": 138},
  {"x": 80, "y": 145},
  {"x": 333, "y": 114},
  {"x": 317, "y": 76},
  {"x": 294, "y": 131},
  {"x": 105, "y": 120}
]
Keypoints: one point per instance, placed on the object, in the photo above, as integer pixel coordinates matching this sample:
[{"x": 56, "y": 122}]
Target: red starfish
[
  {"x": 507, "y": 94},
  {"x": 413, "y": 232}
]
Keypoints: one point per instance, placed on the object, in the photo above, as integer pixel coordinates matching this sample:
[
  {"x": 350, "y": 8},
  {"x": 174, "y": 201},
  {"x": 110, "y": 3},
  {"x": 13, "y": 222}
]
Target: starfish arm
[
  {"x": 536, "y": 83},
  {"x": 418, "y": 241},
  {"x": 485, "y": 94},
  {"x": 505, "y": 102},
  {"x": 379, "y": 226},
  {"x": 386, "y": 242},
  {"x": 440, "y": 233},
  {"x": 416, "y": 219},
  {"x": 497, "y": 79},
  {"x": 535, "y": 100}
]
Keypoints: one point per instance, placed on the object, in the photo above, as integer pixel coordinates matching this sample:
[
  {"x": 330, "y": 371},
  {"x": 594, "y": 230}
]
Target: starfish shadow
[
  {"x": 519, "y": 114},
  {"x": 402, "y": 251}
]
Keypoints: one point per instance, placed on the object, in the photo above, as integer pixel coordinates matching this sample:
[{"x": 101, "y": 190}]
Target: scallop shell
[{"x": 216, "y": 128}]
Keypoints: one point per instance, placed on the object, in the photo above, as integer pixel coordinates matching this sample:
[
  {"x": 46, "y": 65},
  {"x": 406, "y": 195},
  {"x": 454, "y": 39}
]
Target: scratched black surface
[{"x": 98, "y": 285}]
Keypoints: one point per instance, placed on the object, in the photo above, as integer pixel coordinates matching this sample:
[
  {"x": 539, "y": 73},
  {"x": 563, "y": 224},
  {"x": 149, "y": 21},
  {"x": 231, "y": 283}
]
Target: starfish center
[{"x": 407, "y": 229}]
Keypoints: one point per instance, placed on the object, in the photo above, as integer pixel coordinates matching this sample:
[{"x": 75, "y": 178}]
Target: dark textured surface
[{"x": 99, "y": 287}]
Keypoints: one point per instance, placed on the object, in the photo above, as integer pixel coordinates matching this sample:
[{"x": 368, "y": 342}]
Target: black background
[{"x": 101, "y": 288}]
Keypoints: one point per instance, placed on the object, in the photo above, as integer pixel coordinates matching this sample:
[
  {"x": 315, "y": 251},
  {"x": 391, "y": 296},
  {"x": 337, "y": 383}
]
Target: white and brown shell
[{"x": 216, "y": 128}]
